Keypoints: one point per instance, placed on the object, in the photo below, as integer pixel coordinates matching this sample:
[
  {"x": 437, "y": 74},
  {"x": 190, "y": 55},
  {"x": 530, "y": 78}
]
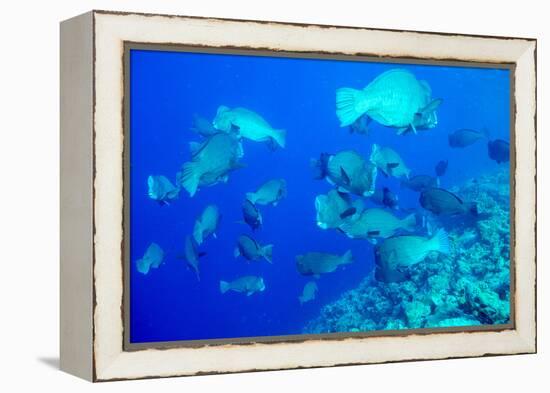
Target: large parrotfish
[{"x": 394, "y": 99}]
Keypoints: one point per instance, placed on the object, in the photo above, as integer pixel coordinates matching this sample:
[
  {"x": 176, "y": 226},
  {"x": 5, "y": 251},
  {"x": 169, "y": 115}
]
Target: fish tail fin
[
  {"x": 347, "y": 258},
  {"x": 267, "y": 253},
  {"x": 347, "y": 100},
  {"x": 320, "y": 166},
  {"x": 190, "y": 177},
  {"x": 251, "y": 196},
  {"x": 197, "y": 234},
  {"x": 279, "y": 136},
  {"x": 440, "y": 242},
  {"x": 409, "y": 222},
  {"x": 224, "y": 286}
]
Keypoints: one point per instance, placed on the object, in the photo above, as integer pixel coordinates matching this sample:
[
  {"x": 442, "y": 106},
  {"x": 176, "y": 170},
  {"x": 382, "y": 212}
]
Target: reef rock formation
[{"x": 471, "y": 286}]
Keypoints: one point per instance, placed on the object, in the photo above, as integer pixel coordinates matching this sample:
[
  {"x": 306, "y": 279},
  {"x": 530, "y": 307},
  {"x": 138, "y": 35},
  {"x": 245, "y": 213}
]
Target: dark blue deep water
[{"x": 298, "y": 95}]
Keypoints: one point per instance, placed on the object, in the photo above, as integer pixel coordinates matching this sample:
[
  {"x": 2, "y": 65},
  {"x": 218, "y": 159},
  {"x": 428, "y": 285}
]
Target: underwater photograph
[{"x": 276, "y": 195}]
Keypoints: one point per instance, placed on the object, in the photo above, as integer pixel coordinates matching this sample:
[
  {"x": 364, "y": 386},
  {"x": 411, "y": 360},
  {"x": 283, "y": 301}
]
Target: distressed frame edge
[
  {"x": 527, "y": 340},
  {"x": 292, "y": 338}
]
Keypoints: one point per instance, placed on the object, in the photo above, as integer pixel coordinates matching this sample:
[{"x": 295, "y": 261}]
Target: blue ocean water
[{"x": 168, "y": 88}]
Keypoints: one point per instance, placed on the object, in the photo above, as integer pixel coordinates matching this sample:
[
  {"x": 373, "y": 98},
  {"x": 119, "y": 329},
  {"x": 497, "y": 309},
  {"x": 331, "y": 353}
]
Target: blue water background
[{"x": 167, "y": 88}]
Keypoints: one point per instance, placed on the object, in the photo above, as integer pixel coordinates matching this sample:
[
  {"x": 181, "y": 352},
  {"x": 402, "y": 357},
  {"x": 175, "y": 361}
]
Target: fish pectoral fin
[
  {"x": 249, "y": 293},
  {"x": 236, "y": 252},
  {"x": 413, "y": 128},
  {"x": 392, "y": 259},
  {"x": 372, "y": 241},
  {"x": 348, "y": 212},
  {"x": 215, "y": 235},
  {"x": 402, "y": 130},
  {"x": 342, "y": 190},
  {"x": 345, "y": 176}
]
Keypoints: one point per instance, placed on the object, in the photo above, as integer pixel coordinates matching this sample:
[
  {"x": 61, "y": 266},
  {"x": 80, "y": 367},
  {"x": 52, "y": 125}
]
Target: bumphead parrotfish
[
  {"x": 389, "y": 162},
  {"x": 161, "y": 189},
  {"x": 499, "y": 150},
  {"x": 399, "y": 252},
  {"x": 249, "y": 125},
  {"x": 309, "y": 292},
  {"x": 151, "y": 259},
  {"x": 206, "y": 224},
  {"x": 251, "y": 250},
  {"x": 334, "y": 208},
  {"x": 271, "y": 192},
  {"x": 377, "y": 223},
  {"x": 442, "y": 202},
  {"x": 316, "y": 263},
  {"x": 348, "y": 171},
  {"x": 246, "y": 284},
  {"x": 211, "y": 162},
  {"x": 394, "y": 99}
]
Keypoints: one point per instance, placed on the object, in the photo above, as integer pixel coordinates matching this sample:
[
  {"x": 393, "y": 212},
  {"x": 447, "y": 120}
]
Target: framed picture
[{"x": 245, "y": 195}]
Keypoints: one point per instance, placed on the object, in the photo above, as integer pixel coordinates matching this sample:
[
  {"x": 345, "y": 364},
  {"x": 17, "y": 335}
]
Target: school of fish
[{"x": 401, "y": 237}]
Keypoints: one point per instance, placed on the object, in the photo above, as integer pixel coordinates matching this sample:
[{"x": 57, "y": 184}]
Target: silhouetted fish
[
  {"x": 361, "y": 125},
  {"x": 440, "y": 201},
  {"x": 465, "y": 137},
  {"x": 385, "y": 197},
  {"x": 192, "y": 255},
  {"x": 315, "y": 263},
  {"x": 499, "y": 150},
  {"x": 251, "y": 215},
  {"x": 441, "y": 167},
  {"x": 420, "y": 182},
  {"x": 308, "y": 294},
  {"x": 203, "y": 126},
  {"x": 250, "y": 249}
]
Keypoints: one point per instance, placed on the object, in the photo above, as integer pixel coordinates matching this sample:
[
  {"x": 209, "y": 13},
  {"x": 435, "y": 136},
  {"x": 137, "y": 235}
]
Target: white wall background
[{"x": 29, "y": 209}]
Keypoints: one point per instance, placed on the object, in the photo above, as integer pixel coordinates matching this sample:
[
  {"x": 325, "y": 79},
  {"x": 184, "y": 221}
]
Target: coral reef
[{"x": 470, "y": 286}]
